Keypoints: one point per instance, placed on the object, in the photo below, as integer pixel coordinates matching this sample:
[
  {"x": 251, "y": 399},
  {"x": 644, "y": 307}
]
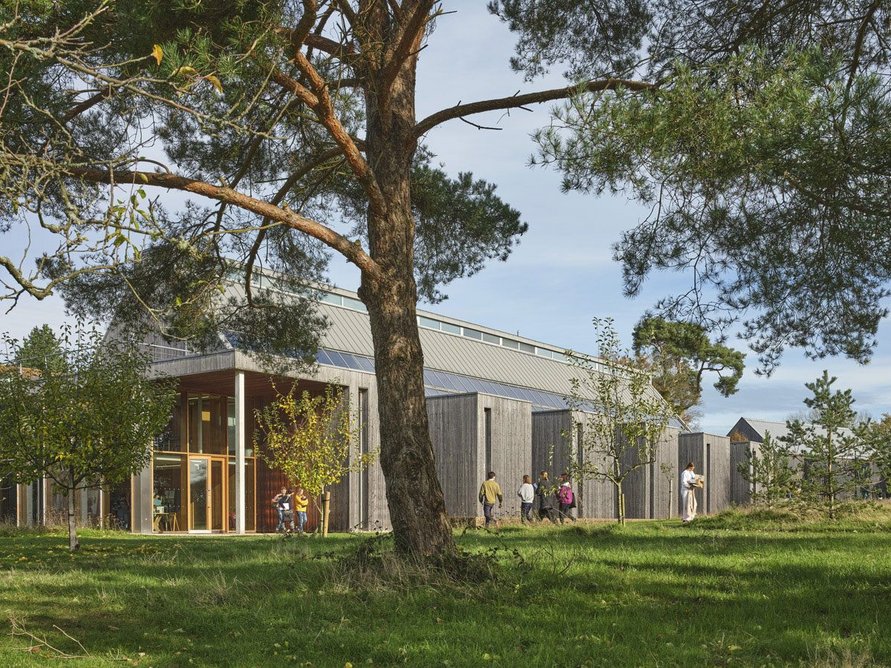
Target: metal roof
[
  {"x": 756, "y": 430},
  {"x": 350, "y": 332},
  {"x": 473, "y": 365}
]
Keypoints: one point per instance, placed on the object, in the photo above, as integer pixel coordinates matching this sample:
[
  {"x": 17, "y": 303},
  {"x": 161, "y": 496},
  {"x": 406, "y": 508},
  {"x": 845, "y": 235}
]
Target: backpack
[{"x": 565, "y": 495}]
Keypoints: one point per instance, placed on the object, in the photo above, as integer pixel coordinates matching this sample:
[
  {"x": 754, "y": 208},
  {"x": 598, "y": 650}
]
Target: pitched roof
[
  {"x": 479, "y": 358},
  {"x": 756, "y": 430}
]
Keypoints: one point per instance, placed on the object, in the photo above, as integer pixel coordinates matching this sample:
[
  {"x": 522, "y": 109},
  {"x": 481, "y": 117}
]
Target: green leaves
[
  {"x": 678, "y": 354},
  {"x": 460, "y": 224},
  {"x": 768, "y": 179},
  {"x": 827, "y": 446},
  {"x": 82, "y": 412},
  {"x": 309, "y": 438},
  {"x": 623, "y": 416}
]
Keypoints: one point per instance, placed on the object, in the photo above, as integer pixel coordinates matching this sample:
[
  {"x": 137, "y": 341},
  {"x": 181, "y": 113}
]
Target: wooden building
[
  {"x": 473, "y": 434},
  {"x": 650, "y": 490},
  {"x": 710, "y": 455},
  {"x": 484, "y": 389},
  {"x": 555, "y": 447}
]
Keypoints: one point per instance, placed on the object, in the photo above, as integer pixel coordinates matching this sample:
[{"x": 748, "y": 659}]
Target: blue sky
[{"x": 562, "y": 274}]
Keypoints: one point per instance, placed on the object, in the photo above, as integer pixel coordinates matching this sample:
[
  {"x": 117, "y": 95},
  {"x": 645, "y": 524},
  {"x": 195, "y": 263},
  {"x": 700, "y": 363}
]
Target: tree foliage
[
  {"x": 40, "y": 351},
  {"x": 763, "y": 152},
  {"x": 86, "y": 420},
  {"x": 624, "y": 417},
  {"x": 309, "y": 438},
  {"x": 679, "y": 355},
  {"x": 769, "y": 470},
  {"x": 828, "y": 448},
  {"x": 294, "y": 126},
  {"x": 877, "y": 440}
]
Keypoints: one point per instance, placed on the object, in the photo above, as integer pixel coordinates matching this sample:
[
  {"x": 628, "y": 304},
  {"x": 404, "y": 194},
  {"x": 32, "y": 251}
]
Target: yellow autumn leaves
[
  {"x": 308, "y": 438},
  {"x": 186, "y": 71}
]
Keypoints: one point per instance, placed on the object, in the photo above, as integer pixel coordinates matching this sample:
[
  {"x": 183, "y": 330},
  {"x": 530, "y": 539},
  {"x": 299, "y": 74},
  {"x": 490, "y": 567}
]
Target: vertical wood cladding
[
  {"x": 647, "y": 490},
  {"x": 459, "y": 435},
  {"x": 555, "y": 438},
  {"x": 710, "y": 455},
  {"x": 454, "y": 433},
  {"x": 740, "y": 488},
  {"x": 664, "y": 476},
  {"x": 511, "y": 446}
]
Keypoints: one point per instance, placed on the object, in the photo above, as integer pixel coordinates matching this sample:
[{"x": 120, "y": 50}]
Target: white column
[
  {"x": 239, "y": 452},
  {"x": 44, "y": 499},
  {"x": 143, "y": 501},
  {"x": 28, "y": 505}
]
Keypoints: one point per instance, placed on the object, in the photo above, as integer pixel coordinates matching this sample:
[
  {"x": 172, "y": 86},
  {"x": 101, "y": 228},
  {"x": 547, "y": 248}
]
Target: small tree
[
  {"x": 624, "y": 415},
  {"x": 670, "y": 473},
  {"x": 308, "y": 438},
  {"x": 769, "y": 471},
  {"x": 84, "y": 420},
  {"x": 828, "y": 447}
]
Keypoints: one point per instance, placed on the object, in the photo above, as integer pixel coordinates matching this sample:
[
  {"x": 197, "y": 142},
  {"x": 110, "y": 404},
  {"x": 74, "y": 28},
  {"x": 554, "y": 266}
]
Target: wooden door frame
[{"x": 224, "y": 483}]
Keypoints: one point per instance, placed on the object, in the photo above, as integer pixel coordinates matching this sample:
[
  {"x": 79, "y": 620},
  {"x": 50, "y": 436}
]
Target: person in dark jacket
[{"x": 546, "y": 499}]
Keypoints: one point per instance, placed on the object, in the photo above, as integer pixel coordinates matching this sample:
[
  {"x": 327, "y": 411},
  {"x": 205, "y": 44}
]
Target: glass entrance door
[{"x": 207, "y": 493}]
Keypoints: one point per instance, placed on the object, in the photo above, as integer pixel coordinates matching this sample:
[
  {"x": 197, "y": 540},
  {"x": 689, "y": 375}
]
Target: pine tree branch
[
  {"x": 350, "y": 250},
  {"x": 324, "y": 109},
  {"x": 407, "y": 42},
  {"x": 516, "y": 101}
]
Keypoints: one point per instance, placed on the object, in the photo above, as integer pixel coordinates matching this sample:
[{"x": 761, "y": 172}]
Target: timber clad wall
[
  {"x": 740, "y": 489},
  {"x": 509, "y": 448},
  {"x": 636, "y": 488},
  {"x": 453, "y": 431},
  {"x": 473, "y": 434},
  {"x": 650, "y": 490},
  {"x": 664, "y": 476},
  {"x": 711, "y": 456},
  {"x": 552, "y": 453}
]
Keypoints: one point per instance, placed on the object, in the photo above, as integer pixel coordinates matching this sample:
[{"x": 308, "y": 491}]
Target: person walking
[
  {"x": 490, "y": 494},
  {"x": 688, "y": 493},
  {"x": 527, "y": 497},
  {"x": 546, "y": 499},
  {"x": 300, "y": 505},
  {"x": 282, "y": 503},
  {"x": 566, "y": 498}
]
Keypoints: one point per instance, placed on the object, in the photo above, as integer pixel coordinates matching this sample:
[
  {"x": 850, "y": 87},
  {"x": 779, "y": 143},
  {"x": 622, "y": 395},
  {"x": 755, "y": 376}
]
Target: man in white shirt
[{"x": 688, "y": 493}]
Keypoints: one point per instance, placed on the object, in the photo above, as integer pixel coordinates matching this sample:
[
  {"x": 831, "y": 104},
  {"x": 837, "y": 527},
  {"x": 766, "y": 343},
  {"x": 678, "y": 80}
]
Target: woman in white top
[
  {"x": 688, "y": 493},
  {"x": 527, "y": 496}
]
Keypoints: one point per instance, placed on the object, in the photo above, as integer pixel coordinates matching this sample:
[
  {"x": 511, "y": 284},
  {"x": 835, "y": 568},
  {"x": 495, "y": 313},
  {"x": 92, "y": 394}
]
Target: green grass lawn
[{"x": 728, "y": 590}]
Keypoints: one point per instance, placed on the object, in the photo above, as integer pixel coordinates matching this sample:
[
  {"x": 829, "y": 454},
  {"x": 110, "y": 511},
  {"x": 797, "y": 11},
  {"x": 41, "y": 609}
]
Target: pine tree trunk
[
  {"x": 414, "y": 496},
  {"x": 73, "y": 543}
]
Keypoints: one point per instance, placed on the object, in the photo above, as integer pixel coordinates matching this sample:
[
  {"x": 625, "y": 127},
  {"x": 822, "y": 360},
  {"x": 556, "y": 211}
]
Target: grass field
[{"x": 736, "y": 589}]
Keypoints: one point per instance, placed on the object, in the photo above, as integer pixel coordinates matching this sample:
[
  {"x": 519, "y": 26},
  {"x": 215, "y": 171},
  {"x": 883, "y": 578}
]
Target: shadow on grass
[{"x": 646, "y": 594}]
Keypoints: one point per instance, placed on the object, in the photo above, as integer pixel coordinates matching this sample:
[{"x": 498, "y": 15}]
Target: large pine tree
[{"x": 294, "y": 126}]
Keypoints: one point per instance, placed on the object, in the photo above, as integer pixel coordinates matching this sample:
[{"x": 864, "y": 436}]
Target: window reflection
[{"x": 168, "y": 513}]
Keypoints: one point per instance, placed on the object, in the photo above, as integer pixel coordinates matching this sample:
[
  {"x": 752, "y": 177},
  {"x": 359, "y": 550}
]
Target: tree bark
[
  {"x": 621, "y": 506},
  {"x": 414, "y": 496}
]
